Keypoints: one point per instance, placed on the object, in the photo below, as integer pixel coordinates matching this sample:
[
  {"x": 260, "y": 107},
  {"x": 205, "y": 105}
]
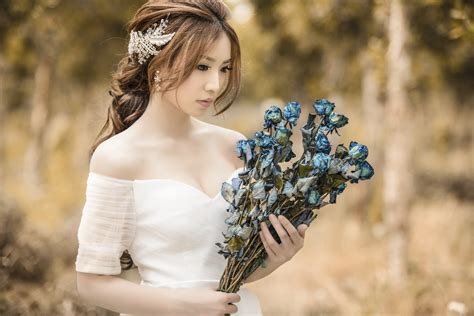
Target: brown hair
[{"x": 197, "y": 24}]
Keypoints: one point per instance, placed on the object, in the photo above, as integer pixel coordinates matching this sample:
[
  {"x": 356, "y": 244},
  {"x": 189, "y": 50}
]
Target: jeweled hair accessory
[{"x": 144, "y": 44}]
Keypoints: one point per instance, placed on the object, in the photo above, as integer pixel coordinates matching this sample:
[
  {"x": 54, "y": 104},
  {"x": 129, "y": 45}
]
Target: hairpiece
[{"x": 144, "y": 44}]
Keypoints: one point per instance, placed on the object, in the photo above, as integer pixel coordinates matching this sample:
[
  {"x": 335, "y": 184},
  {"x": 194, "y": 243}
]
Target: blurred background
[{"x": 402, "y": 71}]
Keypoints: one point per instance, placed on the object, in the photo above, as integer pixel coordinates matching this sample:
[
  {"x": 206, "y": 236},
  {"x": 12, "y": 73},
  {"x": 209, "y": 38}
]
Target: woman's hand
[
  {"x": 203, "y": 302},
  {"x": 292, "y": 239}
]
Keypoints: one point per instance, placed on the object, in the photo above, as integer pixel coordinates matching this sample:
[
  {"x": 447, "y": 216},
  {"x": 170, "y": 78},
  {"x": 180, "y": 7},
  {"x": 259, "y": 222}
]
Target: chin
[{"x": 198, "y": 114}]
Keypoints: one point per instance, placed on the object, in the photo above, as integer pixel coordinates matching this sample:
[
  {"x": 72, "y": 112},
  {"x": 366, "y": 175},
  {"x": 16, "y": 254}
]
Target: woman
[{"x": 153, "y": 192}]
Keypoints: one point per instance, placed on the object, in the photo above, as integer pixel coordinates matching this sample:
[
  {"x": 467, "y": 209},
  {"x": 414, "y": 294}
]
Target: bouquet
[{"x": 262, "y": 188}]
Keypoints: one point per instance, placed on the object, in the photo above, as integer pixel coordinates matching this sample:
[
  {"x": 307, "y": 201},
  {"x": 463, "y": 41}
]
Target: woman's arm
[{"x": 119, "y": 295}]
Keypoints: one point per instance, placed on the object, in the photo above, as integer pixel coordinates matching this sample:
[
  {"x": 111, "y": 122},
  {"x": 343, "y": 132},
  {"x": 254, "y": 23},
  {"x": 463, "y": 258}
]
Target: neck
[{"x": 164, "y": 120}]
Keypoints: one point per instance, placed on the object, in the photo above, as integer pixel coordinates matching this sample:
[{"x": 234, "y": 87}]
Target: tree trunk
[
  {"x": 3, "y": 120},
  {"x": 38, "y": 121},
  {"x": 398, "y": 173},
  {"x": 370, "y": 209}
]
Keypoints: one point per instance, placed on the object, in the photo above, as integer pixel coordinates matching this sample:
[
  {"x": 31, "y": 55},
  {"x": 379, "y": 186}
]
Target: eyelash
[{"x": 227, "y": 67}]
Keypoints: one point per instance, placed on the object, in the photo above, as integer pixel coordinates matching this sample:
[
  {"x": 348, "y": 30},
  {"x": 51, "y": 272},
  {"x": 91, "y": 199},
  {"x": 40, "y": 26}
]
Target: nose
[{"x": 213, "y": 82}]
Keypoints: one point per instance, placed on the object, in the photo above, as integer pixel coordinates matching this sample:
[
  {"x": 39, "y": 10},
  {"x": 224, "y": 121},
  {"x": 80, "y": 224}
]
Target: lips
[
  {"x": 204, "y": 103},
  {"x": 207, "y": 102}
]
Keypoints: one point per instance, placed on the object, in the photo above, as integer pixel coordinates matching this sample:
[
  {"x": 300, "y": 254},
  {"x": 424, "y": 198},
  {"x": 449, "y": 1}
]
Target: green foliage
[
  {"x": 85, "y": 40},
  {"x": 445, "y": 30},
  {"x": 316, "y": 45},
  {"x": 308, "y": 47}
]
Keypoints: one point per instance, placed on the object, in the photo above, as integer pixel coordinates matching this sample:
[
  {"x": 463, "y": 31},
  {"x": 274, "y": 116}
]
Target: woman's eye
[
  {"x": 226, "y": 69},
  {"x": 205, "y": 67}
]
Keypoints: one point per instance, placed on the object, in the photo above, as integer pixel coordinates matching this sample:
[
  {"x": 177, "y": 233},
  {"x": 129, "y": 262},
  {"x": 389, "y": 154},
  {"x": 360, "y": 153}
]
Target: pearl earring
[{"x": 157, "y": 80}]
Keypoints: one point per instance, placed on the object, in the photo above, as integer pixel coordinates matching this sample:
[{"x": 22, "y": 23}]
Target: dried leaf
[{"x": 227, "y": 192}]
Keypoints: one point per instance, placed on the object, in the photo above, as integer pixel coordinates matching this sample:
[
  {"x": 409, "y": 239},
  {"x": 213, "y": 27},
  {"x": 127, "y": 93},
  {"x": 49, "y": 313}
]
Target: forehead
[{"x": 219, "y": 51}]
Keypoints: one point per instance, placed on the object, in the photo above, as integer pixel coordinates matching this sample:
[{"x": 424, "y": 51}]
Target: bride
[{"x": 153, "y": 191}]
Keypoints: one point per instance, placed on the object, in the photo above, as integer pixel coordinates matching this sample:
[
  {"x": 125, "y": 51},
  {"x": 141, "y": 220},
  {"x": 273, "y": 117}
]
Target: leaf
[
  {"x": 244, "y": 232},
  {"x": 233, "y": 219},
  {"x": 303, "y": 184},
  {"x": 227, "y": 192},
  {"x": 272, "y": 197},
  {"x": 232, "y": 230},
  {"x": 235, "y": 243},
  {"x": 278, "y": 182},
  {"x": 288, "y": 189},
  {"x": 267, "y": 159},
  {"x": 313, "y": 197},
  {"x": 303, "y": 170},
  {"x": 236, "y": 182},
  {"x": 238, "y": 196},
  {"x": 254, "y": 212},
  {"x": 258, "y": 190},
  {"x": 267, "y": 172}
]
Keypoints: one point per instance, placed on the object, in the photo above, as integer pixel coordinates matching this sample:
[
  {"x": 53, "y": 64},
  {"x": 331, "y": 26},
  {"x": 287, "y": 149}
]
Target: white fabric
[
  {"x": 169, "y": 227},
  {"x": 107, "y": 225}
]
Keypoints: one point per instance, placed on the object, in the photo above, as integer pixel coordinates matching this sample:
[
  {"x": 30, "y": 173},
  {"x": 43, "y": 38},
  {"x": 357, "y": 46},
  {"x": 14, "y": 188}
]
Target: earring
[{"x": 157, "y": 80}]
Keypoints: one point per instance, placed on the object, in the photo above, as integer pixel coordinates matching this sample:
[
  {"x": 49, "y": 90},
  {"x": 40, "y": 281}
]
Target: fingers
[
  {"x": 268, "y": 241},
  {"x": 292, "y": 239},
  {"x": 233, "y": 297},
  {"x": 285, "y": 239},
  {"x": 294, "y": 234},
  {"x": 231, "y": 309},
  {"x": 271, "y": 254},
  {"x": 302, "y": 229}
]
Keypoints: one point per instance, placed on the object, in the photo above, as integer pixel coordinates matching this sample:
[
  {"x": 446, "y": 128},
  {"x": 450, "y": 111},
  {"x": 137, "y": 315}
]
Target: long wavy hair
[{"x": 197, "y": 24}]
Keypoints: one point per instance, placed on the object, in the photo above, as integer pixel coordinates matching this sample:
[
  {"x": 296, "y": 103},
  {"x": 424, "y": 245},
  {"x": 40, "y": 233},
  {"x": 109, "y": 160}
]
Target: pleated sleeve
[{"x": 107, "y": 225}]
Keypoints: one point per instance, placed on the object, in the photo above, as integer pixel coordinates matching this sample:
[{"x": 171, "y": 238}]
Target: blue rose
[
  {"x": 263, "y": 140},
  {"x": 321, "y": 163},
  {"x": 245, "y": 148},
  {"x": 358, "y": 152},
  {"x": 239, "y": 148},
  {"x": 336, "y": 120},
  {"x": 322, "y": 143},
  {"x": 272, "y": 116},
  {"x": 282, "y": 135},
  {"x": 292, "y": 112},
  {"x": 323, "y": 106},
  {"x": 366, "y": 171}
]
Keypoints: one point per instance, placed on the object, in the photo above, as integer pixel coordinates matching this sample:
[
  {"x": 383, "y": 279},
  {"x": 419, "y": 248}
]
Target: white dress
[{"x": 169, "y": 227}]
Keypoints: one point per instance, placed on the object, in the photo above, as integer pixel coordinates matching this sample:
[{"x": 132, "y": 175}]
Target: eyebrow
[{"x": 213, "y": 60}]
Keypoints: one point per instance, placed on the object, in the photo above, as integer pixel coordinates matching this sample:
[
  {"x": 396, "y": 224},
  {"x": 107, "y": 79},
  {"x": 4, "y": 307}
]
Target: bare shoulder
[
  {"x": 226, "y": 135},
  {"x": 114, "y": 157},
  {"x": 228, "y": 138}
]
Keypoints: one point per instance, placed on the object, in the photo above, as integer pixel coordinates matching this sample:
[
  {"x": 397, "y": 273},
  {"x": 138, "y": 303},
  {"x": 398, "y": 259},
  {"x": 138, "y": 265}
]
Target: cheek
[
  {"x": 190, "y": 85},
  {"x": 186, "y": 95}
]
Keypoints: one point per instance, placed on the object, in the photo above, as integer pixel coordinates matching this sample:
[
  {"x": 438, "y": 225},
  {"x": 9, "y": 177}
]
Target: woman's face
[{"x": 206, "y": 81}]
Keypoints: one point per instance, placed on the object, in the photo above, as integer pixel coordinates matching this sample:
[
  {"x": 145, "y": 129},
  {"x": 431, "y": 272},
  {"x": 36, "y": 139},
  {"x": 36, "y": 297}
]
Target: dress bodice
[{"x": 178, "y": 227}]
